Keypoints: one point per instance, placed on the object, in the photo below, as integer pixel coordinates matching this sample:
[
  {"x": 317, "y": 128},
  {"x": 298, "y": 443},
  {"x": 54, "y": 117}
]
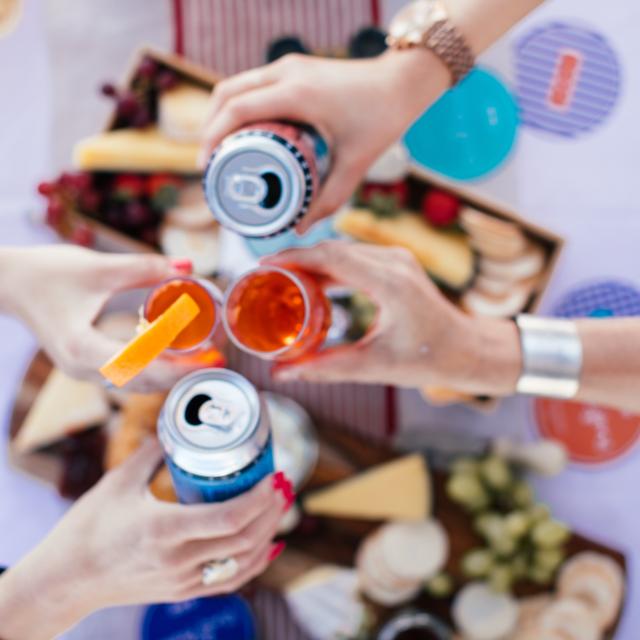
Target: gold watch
[{"x": 426, "y": 23}]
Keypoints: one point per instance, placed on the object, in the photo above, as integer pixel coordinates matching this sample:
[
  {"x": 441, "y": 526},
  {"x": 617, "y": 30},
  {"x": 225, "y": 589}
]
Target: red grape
[
  {"x": 109, "y": 90},
  {"x": 83, "y": 235},
  {"x": 128, "y": 105},
  {"x": 166, "y": 80},
  {"x": 127, "y": 186},
  {"x": 142, "y": 118},
  {"x": 149, "y": 235},
  {"x": 148, "y": 67},
  {"x": 397, "y": 190},
  {"x": 90, "y": 201},
  {"x": 55, "y": 212},
  {"x": 138, "y": 214},
  {"x": 46, "y": 188}
]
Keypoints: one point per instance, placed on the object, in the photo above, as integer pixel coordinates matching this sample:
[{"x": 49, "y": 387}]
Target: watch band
[
  {"x": 441, "y": 37},
  {"x": 551, "y": 357}
]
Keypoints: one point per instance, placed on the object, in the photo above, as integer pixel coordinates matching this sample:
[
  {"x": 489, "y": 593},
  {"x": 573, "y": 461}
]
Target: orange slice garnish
[{"x": 137, "y": 354}]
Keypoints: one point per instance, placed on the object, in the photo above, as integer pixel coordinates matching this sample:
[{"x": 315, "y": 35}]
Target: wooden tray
[{"x": 325, "y": 540}]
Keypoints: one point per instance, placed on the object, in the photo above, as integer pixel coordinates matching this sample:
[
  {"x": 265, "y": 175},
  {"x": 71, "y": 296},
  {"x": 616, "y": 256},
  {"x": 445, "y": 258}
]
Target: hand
[
  {"x": 360, "y": 107},
  {"x": 418, "y": 338},
  {"x": 59, "y": 291},
  {"x": 118, "y": 545}
]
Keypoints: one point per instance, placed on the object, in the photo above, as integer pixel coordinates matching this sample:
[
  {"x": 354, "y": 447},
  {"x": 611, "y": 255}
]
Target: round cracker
[
  {"x": 200, "y": 246},
  {"x": 370, "y": 562},
  {"x": 414, "y": 550},
  {"x": 478, "y": 303},
  {"x": 572, "y": 618},
  {"x": 528, "y": 265},
  {"x": 477, "y": 222},
  {"x": 597, "y": 579}
]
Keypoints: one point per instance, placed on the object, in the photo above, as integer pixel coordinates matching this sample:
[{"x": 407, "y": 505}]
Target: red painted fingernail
[
  {"x": 184, "y": 265},
  {"x": 283, "y": 484},
  {"x": 276, "y": 550}
]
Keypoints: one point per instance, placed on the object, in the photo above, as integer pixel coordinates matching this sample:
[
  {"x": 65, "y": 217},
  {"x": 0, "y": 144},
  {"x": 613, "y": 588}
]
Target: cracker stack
[
  {"x": 509, "y": 265},
  {"x": 394, "y": 562}
]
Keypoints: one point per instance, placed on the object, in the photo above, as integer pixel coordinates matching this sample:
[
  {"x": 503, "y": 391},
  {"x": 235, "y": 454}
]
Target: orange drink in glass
[
  {"x": 277, "y": 314},
  {"x": 196, "y": 342}
]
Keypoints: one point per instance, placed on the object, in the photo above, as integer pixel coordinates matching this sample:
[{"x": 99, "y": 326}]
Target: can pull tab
[
  {"x": 246, "y": 188},
  {"x": 217, "y": 414}
]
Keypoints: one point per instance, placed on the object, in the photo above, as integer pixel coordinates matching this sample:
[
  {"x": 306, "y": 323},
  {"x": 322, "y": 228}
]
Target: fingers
[
  {"x": 272, "y": 102},
  {"x": 197, "y": 552},
  {"x": 129, "y": 271},
  {"x": 138, "y": 468},
  {"x": 222, "y": 519},
  {"x": 161, "y": 375},
  {"x": 346, "y": 262},
  {"x": 341, "y": 183},
  {"x": 250, "y": 566},
  {"x": 348, "y": 363}
]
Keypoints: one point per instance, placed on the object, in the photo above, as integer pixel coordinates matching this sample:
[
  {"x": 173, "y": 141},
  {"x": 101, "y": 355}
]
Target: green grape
[
  {"x": 465, "y": 465},
  {"x": 521, "y": 494},
  {"x": 501, "y": 578},
  {"x": 539, "y": 512},
  {"x": 549, "y": 559},
  {"x": 550, "y": 533},
  {"x": 517, "y": 524},
  {"x": 540, "y": 576},
  {"x": 467, "y": 491},
  {"x": 496, "y": 473},
  {"x": 477, "y": 563},
  {"x": 519, "y": 565},
  {"x": 487, "y": 522},
  {"x": 504, "y": 545},
  {"x": 440, "y": 586}
]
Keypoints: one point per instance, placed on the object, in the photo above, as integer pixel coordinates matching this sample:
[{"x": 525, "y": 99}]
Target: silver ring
[{"x": 219, "y": 571}]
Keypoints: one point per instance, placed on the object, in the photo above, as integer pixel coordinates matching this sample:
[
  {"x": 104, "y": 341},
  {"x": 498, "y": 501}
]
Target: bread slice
[
  {"x": 64, "y": 406},
  {"x": 145, "y": 150},
  {"x": 446, "y": 255}
]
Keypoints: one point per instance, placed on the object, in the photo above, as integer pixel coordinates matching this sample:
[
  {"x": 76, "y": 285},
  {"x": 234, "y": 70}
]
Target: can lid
[
  {"x": 257, "y": 183},
  {"x": 212, "y": 423}
]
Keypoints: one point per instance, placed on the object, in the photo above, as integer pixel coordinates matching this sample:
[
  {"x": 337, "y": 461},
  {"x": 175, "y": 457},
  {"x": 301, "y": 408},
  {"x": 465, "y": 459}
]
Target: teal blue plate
[
  {"x": 323, "y": 230},
  {"x": 469, "y": 131}
]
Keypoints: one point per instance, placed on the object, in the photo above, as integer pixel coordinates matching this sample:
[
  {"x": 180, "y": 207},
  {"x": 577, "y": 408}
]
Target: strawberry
[
  {"x": 399, "y": 191},
  {"x": 162, "y": 190},
  {"x": 440, "y": 208},
  {"x": 128, "y": 186},
  {"x": 83, "y": 235}
]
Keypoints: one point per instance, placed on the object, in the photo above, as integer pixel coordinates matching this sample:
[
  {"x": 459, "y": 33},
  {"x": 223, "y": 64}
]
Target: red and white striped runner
[{"x": 233, "y": 35}]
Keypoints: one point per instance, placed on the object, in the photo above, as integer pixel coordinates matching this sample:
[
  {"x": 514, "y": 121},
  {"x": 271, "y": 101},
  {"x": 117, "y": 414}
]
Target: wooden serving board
[{"x": 327, "y": 540}]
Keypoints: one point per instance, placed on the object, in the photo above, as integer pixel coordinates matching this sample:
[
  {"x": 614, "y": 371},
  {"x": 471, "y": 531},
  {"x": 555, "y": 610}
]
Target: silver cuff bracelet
[{"x": 551, "y": 357}]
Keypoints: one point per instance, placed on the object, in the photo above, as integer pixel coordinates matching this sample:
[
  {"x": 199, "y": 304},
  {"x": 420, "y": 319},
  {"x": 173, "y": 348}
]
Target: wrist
[
  {"x": 417, "y": 77},
  {"x": 491, "y": 349},
  {"x": 40, "y": 599}
]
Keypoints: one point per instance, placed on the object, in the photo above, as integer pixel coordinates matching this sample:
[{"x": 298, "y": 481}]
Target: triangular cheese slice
[
  {"x": 62, "y": 407},
  {"x": 397, "y": 490},
  {"x": 145, "y": 150}
]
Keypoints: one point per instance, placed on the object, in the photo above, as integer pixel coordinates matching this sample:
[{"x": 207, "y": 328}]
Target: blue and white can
[{"x": 216, "y": 436}]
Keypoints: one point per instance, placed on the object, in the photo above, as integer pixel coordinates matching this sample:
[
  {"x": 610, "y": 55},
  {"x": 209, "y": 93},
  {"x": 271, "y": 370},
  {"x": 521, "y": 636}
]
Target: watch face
[{"x": 412, "y": 22}]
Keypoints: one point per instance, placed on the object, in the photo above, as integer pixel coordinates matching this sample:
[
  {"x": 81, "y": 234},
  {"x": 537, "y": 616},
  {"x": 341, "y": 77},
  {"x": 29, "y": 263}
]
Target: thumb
[
  {"x": 341, "y": 183},
  {"x": 138, "y": 468},
  {"x": 131, "y": 271},
  {"x": 347, "y": 363}
]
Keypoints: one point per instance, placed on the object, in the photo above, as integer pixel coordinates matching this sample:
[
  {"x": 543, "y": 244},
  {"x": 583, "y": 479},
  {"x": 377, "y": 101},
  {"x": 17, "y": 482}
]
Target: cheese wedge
[
  {"x": 399, "y": 490},
  {"x": 446, "y": 255},
  {"x": 182, "y": 112},
  {"x": 144, "y": 150},
  {"x": 63, "y": 406},
  {"x": 136, "y": 355}
]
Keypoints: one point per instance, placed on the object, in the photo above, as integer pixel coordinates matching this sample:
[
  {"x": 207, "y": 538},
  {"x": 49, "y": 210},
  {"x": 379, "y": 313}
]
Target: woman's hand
[
  {"x": 361, "y": 107},
  {"x": 59, "y": 291},
  {"x": 418, "y": 338},
  {"x": 118, "y": 545}
]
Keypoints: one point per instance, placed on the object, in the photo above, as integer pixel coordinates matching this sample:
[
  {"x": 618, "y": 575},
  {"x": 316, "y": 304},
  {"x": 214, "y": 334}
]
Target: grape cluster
[
  {"x": 521, "y": 539},
  {"x": 70, "y": 193},
  {"x": 136, "y": 106},
  {"x": 131, "y": 203}
]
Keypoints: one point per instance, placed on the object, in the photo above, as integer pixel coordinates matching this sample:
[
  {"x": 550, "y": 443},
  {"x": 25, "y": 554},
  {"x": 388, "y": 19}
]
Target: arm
[
  {"x": 420, "y": 338},
  {"x": 118, "y": 545},
  {"x": 59, "y": 291},
  {"x": 361, "y": 107}
]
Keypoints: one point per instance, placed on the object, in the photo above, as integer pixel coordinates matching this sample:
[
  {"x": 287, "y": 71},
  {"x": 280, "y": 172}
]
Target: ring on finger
[{"x": 216, "y": 571}]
